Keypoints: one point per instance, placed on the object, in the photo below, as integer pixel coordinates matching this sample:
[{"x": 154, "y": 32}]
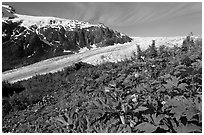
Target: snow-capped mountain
[{"x": 28, "y": 39}]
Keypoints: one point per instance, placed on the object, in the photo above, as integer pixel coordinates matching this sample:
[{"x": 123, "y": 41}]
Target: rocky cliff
[{"x": 29, "y": 39}]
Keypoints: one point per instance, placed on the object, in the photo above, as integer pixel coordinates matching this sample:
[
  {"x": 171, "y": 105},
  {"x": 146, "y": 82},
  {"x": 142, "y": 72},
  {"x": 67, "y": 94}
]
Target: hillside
[
  {"x": 159, "y": 90},
  {"x": 29, "y": 39}
]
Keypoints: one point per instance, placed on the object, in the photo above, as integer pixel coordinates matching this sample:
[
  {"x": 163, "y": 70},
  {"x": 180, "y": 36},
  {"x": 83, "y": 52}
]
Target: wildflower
[
  {"x": 134, "y": 98},
  {"x": 163, "y": 102},
  {"x": 153, "y": 66},
  {"x": 136, "y": 75},
  {"x": 77, "y": 110},
  {"x": 112, "y": 85},
  {"x": 106, "y": 89}
]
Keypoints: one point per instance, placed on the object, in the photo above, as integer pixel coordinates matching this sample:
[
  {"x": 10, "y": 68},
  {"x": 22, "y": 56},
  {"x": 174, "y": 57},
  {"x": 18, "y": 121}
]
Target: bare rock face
[{"x": 29, "y": 39}]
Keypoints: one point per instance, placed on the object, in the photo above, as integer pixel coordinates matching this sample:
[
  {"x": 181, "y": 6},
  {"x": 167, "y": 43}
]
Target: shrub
[
  {"x": 153, "y": 50},
  {"x": 139, "y": 52},
  {"x": 9, "y": 89}
]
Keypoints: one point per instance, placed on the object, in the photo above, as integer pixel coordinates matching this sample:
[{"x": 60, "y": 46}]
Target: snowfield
[
  {"x": 42, "y": 21},
  {"x": 94, "y": 56}
]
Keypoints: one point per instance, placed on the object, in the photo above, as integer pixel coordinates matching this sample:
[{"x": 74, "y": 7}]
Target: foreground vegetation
[{"x": 158, "y": 90}]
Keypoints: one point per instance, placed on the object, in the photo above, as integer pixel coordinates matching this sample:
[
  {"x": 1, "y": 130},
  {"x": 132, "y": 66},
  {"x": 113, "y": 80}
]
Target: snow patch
[
  {"x": 121, "y": 34},
  {"x": 84, "y": 49},
  {"x": 57, "y": 42},
  {"x": 6, "y": 6},
  {"x": 93, "y": 46},
  {"x": 66, "y": 51}
]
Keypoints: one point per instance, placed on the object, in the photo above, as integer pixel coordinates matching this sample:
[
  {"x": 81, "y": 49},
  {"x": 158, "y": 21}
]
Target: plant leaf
[
  {"x": 61, "y": 120},
  {"x": 188, "y": 128},
  {"x": 140, "y": 108},
  {"x": 149, "y": 118},
  {"x": 178, "y": 111},
  {"x": 190, "y": 113},
  {"x": 168, "y": 86},
  {"x": 174, "y": 81},
  {"x": 123, "y": 129},
  {"x": 165, "y": 127},
  {"x": 159, "y": 118},
  {"x": 122, "y": 119},
  {"x": 182, "y": 86},
  {"x": 147, "y": 127}
]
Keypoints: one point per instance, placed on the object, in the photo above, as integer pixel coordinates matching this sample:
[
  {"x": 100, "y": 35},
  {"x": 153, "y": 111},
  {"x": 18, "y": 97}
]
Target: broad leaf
[
  {"x": 182, "y": 86},
  {"x": 165, "y": 127},
  {"x": 188, "y": 128},
  {"x": 197, "y": 64},
  {"x": 178, "y": 112},
  {"x": 146, "y": 127},
  {"x": 173, "y": 82},
  {"x": 159, "y": 118},
  {"x": 190, "y": 112}
]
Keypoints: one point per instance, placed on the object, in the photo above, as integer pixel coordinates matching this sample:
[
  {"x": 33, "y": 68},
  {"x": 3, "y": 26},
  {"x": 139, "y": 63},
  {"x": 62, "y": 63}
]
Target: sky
[{"x": 149, "y": 19}]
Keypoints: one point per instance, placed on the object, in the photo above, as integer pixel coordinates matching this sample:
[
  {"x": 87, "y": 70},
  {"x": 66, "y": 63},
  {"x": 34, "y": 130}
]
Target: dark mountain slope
[{"x": 29, "y": 39}]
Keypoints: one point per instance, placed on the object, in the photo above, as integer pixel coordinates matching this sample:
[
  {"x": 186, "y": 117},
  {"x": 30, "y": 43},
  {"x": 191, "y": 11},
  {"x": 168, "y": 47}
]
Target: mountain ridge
[{"x": 29, "y": 39}]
